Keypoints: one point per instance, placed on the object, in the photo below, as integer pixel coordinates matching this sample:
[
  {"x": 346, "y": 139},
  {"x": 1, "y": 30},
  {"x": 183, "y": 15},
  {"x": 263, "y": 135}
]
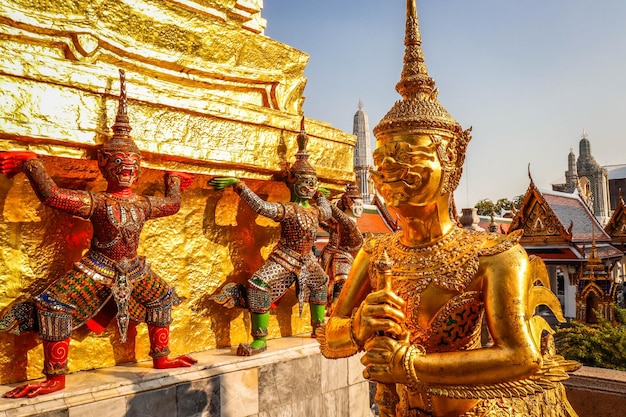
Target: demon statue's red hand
[
  {"x": 185, "y": 178},
  {"x": 51, "y": 384},
  {"x": 11, "y": 162}
]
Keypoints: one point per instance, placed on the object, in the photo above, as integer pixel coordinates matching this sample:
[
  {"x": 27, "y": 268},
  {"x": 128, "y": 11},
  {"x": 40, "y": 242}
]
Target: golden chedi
[
  {"x": 415, "y": 302},
  {"x": 210, "y": 95}
]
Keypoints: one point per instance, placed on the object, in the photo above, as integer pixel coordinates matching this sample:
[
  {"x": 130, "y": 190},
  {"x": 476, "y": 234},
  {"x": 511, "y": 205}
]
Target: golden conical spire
[
  {"x": 419, "y": 111},
  {"x": 414, "y": 79}
]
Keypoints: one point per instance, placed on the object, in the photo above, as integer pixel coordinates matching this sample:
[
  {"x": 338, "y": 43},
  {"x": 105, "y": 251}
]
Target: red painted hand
[
  {"x": 11, "y": 162},
  {"x": 185, "y": 178}
]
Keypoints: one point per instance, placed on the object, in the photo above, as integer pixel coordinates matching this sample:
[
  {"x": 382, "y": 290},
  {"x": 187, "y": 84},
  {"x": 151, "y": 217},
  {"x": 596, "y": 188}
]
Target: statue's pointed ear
[
  {"x": 102, "y": 161},
  {"x": 101, "y": 158}
]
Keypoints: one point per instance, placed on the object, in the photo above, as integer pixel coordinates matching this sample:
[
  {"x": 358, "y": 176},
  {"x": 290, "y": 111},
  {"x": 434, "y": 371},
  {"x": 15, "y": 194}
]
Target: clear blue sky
[{"x": 529, "y": 76}]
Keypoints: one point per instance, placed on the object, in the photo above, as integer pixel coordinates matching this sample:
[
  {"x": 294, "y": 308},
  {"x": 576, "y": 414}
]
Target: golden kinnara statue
[{"x": 416, "y": 301}]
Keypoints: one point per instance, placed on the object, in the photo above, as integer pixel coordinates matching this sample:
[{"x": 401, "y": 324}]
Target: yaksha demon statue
[
  {"x": 415, "y": 300},
  {"x": 292, "y": 259},
  {"x": 344, "y": 241},
  {"x": 111, "y": 267}
]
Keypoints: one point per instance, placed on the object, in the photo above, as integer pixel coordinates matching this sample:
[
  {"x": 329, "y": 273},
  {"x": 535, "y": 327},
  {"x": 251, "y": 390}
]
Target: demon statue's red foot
[
  {"x": 51, "y": 384},
  {"x": 159, "y": 349},
  {"x": 55, "y": 368},
  {"x": 182, "y": 361}
]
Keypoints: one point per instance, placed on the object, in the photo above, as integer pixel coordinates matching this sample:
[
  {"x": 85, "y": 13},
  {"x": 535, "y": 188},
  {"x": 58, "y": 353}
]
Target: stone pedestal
[{"x": 290, "y": 379}]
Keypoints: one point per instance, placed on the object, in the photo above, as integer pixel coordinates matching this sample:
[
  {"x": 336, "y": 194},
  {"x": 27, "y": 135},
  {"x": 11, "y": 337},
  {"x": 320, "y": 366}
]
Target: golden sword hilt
[{"x": 386, "y": 394}]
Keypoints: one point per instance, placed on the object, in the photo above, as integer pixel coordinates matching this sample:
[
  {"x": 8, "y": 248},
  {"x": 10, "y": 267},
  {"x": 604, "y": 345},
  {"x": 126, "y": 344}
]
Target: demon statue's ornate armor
[
  {"x": 415, "y": 301},
  {"x": 292, "y": 259},
  {"x": 111, "y": 269},
  {"x": 344, "y": 241}
]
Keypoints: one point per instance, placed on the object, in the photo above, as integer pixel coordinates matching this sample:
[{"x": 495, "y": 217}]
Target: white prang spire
[{"x": 362, "y": 153}]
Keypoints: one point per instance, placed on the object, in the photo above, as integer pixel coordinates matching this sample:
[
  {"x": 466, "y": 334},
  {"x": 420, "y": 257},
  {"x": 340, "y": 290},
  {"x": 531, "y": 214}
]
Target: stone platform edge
[{"x": 107, "y": 385}]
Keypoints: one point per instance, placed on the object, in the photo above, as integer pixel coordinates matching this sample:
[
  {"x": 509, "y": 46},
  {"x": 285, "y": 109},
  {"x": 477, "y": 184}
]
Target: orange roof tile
[{"x": 372, "y": 222}]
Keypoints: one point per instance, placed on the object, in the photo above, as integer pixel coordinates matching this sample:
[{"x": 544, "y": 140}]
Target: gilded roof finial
[{"x": 594, "y": 263}]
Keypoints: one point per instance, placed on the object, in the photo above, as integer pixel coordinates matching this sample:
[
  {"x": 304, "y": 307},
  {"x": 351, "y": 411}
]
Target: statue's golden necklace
[{"x": 450, "y": 263}]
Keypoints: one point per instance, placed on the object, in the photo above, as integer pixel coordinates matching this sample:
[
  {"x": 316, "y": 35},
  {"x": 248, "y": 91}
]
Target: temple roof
[
  {"x": 616, "y": 227},
  {"x": 372, "y": 221},
  {"x": 616, "y": 172},
  {"x": 571, "y": 210},
  {"x": 503, "y": 223},
  {"x": 560, "y": 227}
]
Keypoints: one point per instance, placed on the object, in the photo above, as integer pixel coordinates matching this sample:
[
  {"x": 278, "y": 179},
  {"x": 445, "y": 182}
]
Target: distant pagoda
[{"x": 363, "y": 154}]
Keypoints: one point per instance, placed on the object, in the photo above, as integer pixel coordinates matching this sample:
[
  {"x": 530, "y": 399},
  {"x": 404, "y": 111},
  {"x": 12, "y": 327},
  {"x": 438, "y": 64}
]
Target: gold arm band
[{"x": 409, "y": 368}]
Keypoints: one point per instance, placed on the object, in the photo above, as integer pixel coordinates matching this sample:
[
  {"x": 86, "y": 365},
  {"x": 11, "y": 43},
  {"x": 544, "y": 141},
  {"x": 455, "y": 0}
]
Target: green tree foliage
[
  {"x": 503, "y": 205},
  {"x": 485, "y": 207},
  {"x": 602, "y": 345}
]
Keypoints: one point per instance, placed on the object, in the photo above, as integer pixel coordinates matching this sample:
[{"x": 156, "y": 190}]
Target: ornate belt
[
  {"x": 119, "y": 276},
  {"x": 100, "y": 268}
]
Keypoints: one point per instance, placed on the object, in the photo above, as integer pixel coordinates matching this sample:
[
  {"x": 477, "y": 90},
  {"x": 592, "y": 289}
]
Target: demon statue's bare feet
[
  {"x": 51, "y": 384},
  {"x": 250, "y": 349},
  {"x": 182, "y": 361}
]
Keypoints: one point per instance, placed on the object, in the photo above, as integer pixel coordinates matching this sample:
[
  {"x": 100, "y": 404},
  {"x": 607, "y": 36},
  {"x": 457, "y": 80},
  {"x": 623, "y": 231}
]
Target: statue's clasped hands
[{"x": 378, "y": 327}]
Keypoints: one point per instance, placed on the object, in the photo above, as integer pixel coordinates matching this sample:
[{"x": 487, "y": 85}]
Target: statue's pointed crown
[
  {"x": 302, "y": 165},
  {"x": 121, "y": 140},
  {"x": 419, "y": 111}
]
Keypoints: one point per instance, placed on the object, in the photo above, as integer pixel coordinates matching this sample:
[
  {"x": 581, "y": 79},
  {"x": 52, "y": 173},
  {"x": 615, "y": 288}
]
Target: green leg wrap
[
  {"x": 260, "y": 323},
  {"x": 317, "y": 316}
]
